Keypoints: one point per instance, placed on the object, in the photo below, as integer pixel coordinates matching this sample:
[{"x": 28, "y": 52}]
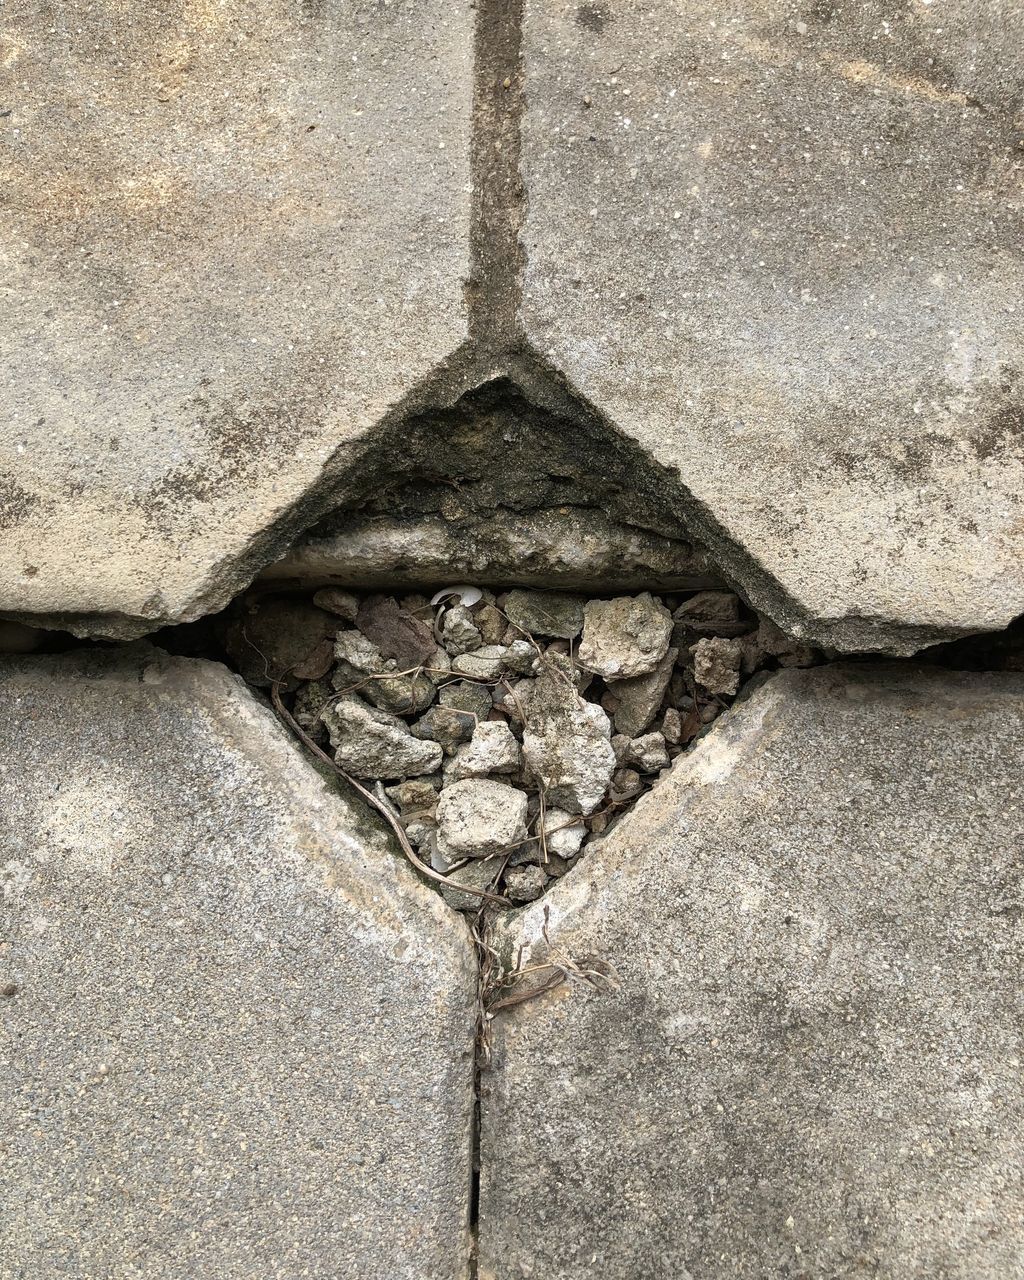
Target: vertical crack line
[
  {"x": 494, "y": 290},
  {"x": 480, "y": 930}
]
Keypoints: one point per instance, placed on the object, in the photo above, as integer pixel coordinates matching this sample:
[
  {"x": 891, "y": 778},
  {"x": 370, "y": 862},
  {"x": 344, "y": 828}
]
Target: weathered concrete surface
[
  {"x": 812, "y": 1066},
  {"x": 233, "y": 237},
  {"x": 781, "y": 246},
  {"x": 240, "y": 1036}
]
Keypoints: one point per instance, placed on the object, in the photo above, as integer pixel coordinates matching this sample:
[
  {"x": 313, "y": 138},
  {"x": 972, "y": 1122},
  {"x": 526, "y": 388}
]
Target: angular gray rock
[
  {"x": 759, "y": 238},
  {"x": 464, "y": 695},
  {"x": 478, "y": 817},
  {"x": 445, "y": 725},
  {"x": 371, "y": 743},
  {"x": 716, "y": 664},
  {"x": 361, "y": 666},
  {"x": 239, "y": 1031},
  {"x": 815, "y": 1042},
  {"x": 567, "y": 744},
  {"x": 640, "y": 698},
  {"x": 459, "y": 633},
  {"x": 546, "y": 613},
  {"x": 624, "y": 637},
  {"x": 487, "y": 663},
  {"x": 230, "y": 248},
  {"x": 492, "y": 749},
  {"x": 562, "y": 835}
]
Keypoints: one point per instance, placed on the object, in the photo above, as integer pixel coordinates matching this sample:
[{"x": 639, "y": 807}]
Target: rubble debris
[
  {"x": 624, "y": 637},
  {"x": 567, "y": 745},
  {"x": 637, "y": 700},
  {"x": 371, "y": 743},
  {"x": 716, "y": 664},
  {"x": 478, "y": 817},
  {"x": 396, "y": 633},
  {"x": 545, "y": 613},
  {"x": 528, "y": 730}
]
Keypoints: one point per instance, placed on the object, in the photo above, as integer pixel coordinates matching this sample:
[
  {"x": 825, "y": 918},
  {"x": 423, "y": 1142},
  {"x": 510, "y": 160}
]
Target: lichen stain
[{"x": 16, "y": 502}]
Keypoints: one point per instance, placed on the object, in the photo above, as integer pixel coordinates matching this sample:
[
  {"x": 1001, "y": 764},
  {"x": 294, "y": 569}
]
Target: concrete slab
[
  {"x": 237, "y": 1034},
  {"x": 812, "y": 1064},
  {"x": 234, "y": 238},
  {"x": 781, "y": 247}
]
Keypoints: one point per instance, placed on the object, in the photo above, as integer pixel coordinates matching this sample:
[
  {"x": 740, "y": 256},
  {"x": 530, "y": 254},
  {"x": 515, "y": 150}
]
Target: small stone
[
  {"x": 438, "y": 667},
  {"x": 447, "y": 726},
  {"x": 640, "y": 698},
  {"x": 491, "y": 624},
  {"x": 396, "y": 634},
  {"x": 492, "y": 749},
  {"x": 626, "y": 784},
  {"x": 272, "y": 636},
  {"x": 711, "y": 613},
  {"x": 520, "y": 657},
  {"x": 371, "y": 743},
  {"x": 478, "y": 816},
  {"x": 478, "y": 873},
  {"x": 716, "y": 664},
  {"x": 620, "y": 745},
  {"x": 672, "y": 726},
  {"x": 624, "y": 637},
  {"x": 416, "y": 795},
  {"x": 343, "y": 604},
  {"x": 421, "y": 828},
  {"x": 525, "y": 883},
  {"x": 545, "y": 613},
  {"x": 487, "y": 663},
  {"x": 360, "y": 662},
  {"x": 464, "y": 695},
  {"x": 459, "y": 632},
  {"x": 648, "y": 753},
  {"x": 566, "y": 745},
  {"x": 563, "y": 833}
]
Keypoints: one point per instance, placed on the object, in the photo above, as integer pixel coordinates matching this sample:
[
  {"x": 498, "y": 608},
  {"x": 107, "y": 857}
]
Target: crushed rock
[
  {"x": 624, "y": 637},
  {"x": 585, "y": 701},
  {"x": 478, "y": 817},
  {"x": 716, "y": 664},
  {"x": 492, "y": 749},
  {"x": 371, "y": 743},
  {"x": 567, "y": 745}
]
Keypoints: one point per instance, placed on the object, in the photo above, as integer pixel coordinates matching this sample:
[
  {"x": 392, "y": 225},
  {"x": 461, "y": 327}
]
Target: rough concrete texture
[
  {"x": 240, "y": 1036},
  {"x": 812, "y": 1064},
  {"x": 234, "y": 237},
  {"x": 780, "y": 246}
]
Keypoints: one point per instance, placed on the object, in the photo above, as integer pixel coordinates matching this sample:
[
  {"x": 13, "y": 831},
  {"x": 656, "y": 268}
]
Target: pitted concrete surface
[
  {"x": 780, "y": 245},
  {"x": 234, "y": 236},
  {"x": 812, "y": 1064},
  {"x": 237, "y": 1034}
]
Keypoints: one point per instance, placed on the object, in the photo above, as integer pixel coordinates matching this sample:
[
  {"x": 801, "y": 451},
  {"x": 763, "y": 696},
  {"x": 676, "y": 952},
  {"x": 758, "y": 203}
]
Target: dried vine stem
[{"x": 374, "y": 801}]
